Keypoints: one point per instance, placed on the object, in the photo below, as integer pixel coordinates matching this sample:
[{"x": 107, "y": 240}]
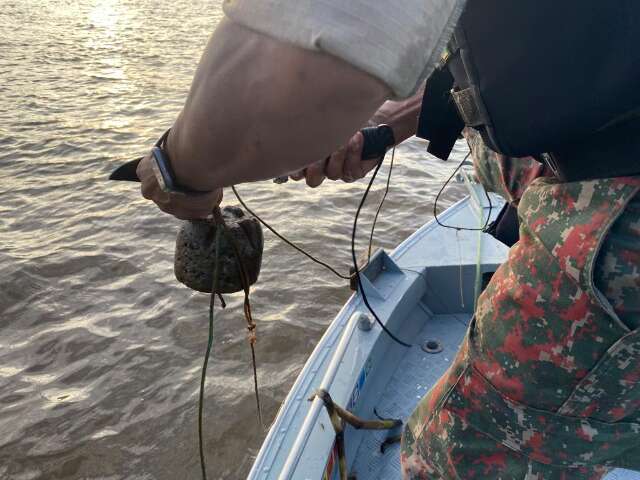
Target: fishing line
[
  {"x": 246, "y": 287},
  {"x": 203, "y": 465},
  {"x": 302, "y": 250},
  {"x": 285, "y": 240},
  {"x": 384, "y": 197},
  {"x": 460, "y": 270},
  {"x": 222, "y": 228},
  {"x": 354, "y": 259},
  {"x": 357, "y": 271},
  {"x": 355, "y": 262},
  {"x": 435, "y": 203},
  {"x": 247, "y": 307}
]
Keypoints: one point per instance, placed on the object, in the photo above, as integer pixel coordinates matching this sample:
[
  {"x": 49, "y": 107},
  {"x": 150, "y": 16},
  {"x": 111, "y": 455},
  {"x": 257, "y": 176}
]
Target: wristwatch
[{"x": 161, "y": 166}]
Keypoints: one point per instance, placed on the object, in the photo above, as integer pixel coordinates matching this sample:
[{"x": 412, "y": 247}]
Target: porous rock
[{"x": 195, "y": 252}]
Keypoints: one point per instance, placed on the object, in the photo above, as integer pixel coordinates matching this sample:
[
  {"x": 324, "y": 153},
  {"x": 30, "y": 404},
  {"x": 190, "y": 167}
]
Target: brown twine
[{"x": 246, "y": 286}]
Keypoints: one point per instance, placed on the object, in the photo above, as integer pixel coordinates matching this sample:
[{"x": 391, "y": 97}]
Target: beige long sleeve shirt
[{"x": 398, "y": 42}]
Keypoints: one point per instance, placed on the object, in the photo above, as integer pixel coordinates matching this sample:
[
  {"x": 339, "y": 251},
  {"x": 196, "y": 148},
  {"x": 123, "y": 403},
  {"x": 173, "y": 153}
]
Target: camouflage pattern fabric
[
  {"x": 616, "y": 274},
  {"x": 506, "y": 176},
  {"x": 547, "y": 382}
]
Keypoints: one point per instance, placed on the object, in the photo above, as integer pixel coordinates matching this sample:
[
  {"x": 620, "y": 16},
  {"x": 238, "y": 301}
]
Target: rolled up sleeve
[{"x": 397, "y": 42}]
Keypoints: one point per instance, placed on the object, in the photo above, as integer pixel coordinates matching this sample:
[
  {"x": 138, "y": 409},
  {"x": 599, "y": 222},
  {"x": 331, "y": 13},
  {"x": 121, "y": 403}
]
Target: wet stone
[{"x": 195, "y": 252}]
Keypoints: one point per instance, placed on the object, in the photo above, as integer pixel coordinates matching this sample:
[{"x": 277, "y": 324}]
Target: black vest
[{"x": 555, "y": 79}]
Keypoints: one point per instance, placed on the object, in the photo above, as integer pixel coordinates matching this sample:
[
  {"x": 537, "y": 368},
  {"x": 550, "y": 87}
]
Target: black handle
[
  {"x": 377, "y": 140},
  {"x": 126, "y": 171}
]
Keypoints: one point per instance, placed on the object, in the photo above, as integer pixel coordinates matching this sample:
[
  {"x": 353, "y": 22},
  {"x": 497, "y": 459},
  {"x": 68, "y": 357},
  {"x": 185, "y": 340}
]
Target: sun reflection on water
[{"x": 105, "y": 15}]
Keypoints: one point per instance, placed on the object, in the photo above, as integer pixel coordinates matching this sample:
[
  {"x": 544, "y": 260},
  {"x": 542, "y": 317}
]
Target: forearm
[
  {"x": 401, "y": 116},
  {"x": 251, "y": 96}
]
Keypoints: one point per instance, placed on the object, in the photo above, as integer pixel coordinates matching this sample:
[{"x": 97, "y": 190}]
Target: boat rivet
[
  {"x": 432, "y": 346},
  {"x": 365, "y": 322}
]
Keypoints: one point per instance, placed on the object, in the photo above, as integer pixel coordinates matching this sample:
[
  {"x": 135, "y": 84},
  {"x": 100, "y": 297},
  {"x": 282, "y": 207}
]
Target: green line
[{"x": 207, "y": 355}]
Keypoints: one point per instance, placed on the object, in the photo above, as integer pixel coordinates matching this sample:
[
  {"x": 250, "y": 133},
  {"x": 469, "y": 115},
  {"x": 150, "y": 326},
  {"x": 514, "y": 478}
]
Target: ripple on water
[{"x": 58, "y": 396}]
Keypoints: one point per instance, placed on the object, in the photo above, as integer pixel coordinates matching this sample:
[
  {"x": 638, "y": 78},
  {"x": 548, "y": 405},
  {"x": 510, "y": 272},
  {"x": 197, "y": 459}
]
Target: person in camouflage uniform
[{"x": 545, "y": 385}]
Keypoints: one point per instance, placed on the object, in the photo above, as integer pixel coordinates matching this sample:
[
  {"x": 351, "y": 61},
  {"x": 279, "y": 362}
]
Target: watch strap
[{"x": 164, "y": 173}]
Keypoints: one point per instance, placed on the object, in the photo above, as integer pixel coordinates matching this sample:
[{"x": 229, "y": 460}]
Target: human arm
[
  {"x": 346, "y": 163},
  {"x": 401, "y": 116},
  {"x": 232, "y": 127},
  {"x": 233, "y": 124},
  {"x": 302, "y": 73}
]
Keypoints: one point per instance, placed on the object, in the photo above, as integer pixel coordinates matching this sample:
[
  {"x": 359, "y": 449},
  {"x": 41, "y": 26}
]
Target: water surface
[{"x": 100, "y": 347}]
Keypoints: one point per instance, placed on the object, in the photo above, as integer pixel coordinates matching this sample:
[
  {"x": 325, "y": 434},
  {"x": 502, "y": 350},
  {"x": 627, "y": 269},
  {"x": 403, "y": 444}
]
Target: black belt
[{"x": 614, "y": 152}]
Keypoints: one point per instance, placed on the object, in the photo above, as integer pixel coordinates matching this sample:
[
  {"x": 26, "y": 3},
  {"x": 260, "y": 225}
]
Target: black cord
[
  {"x": 303, "y": 251},
  {"x": 384, "y": 197},
  {"x": 353, "y": 255},
  {"x": 327, "y": 266},
  {"x": 291, "y": 244},
  {"x": 435, "y": 203},
  {"x": 353, "y": 234},
  {"x": 355, "y": 261}
]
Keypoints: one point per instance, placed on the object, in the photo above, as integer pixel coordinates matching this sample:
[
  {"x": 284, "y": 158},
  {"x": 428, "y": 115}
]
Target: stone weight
[{"x": 195, "y": 252}]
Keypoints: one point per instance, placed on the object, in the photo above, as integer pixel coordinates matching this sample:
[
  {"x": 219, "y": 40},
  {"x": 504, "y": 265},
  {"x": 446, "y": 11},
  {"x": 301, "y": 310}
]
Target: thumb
[{"x": 356, "y": 144}]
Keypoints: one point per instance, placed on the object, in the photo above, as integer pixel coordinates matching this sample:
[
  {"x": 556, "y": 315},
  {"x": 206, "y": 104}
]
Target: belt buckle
[{"x": 551, "y": 163}]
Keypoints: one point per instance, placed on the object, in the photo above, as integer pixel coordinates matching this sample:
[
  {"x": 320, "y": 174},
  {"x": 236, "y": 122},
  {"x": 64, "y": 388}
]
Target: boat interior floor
[{"x": 414, "y": 375}]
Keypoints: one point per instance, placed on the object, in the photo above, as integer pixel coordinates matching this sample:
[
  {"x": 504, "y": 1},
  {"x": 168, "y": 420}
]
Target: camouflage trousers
[{"x": 547, "y": 382}]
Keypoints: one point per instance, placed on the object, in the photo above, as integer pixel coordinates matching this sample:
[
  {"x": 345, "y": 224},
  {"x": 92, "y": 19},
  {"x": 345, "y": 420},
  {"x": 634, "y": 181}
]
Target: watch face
[
  {"x": 158, "y": 165},
  {"x": 158, "y": 174},
  {"x": 165, "y": 177}
]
